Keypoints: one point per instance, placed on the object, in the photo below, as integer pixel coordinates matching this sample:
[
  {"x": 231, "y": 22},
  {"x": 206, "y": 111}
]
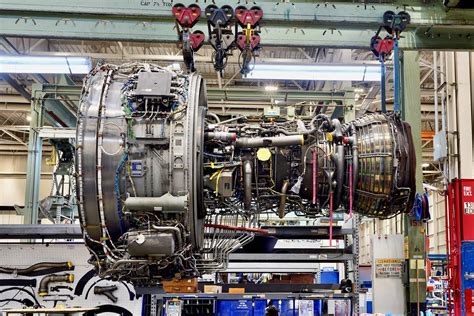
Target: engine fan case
[{"x": 169, "y": 156}]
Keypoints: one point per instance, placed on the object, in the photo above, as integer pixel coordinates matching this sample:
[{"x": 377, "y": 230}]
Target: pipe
[
  {"x": 230, "y": 120},
  {"x": 287, "y": 133},
  {"x": 167, "y": 203},
  {"x": 382, "y": 85},
  {"x": 223, "y": 136},
  {"x": 326, "y": 126},
  {"x": 315, "y": 161},
  {"x": 43, "y": 289},
  {"x": 330, "y": 218},
  {"x": 38, "y": 266},
  {"x": 247, "y": 165},
  {"x": 350, "y": 190},
  {"x": 176, "y": 230},
  {"x": 281, "y": 207},
  {"x": 214, "y": 116},
  {"x": 355, "y": 162},
  {"x": 338, "y": 159},
  {"x": 336, "y": 130},
  {"x": 396, "y": 77},
  {"x": 277, "y": 141},
  {"x": 435, "y": 80},
  {"x": 107, "y": 291}
]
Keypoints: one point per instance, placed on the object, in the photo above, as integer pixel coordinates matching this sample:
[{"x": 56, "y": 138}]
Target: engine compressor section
[{"x": 166, "y": 188}]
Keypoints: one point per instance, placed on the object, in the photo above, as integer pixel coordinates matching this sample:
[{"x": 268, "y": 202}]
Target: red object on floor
[{"x": 459, "y": 211}]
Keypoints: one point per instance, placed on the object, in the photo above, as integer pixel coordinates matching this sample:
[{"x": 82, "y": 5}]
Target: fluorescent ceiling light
[
  {"x": 176, "y": 66},
  {"x": 44, "y": 65},
  {"x": 341, "y": 72},
  {"x": 271, "y": 88}
]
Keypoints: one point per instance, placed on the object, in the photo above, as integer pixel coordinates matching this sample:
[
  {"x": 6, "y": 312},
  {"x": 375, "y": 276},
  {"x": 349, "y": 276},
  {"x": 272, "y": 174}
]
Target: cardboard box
[
  {"x": 214, "y": 289},
  {"x": 180, "y": 286},
  {"x": 236, "y": 290}
]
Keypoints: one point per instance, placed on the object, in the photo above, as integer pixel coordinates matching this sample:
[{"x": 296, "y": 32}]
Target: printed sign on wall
[{"x": 388, "y": 268}]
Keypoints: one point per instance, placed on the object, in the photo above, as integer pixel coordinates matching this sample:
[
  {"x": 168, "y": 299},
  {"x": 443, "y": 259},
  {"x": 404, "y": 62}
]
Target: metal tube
[
  {"x": 382, "y": 86},
  {"x": 330, "y": 218},
  {"x": 214, "y": 116},
  {"x": 224, "y": 136},
  {"x": 43, "y": 289},
  {"x": 338, "y": 159},
  {"x": 355, "y": 161},
  {"x": 443, "y": 100},
  {"x": 281, "y": 207},
  {"x": 38, "y": 266},
  {"x": 278, "y": 141},
  {"x": 435, "y": 79},
  {"x": 315, "y": 162},
  {"x": 247, "y": 183},
  {"x": 167, "y": 203},
  {"x": 230, "y": 120},
  {"x": 396, "y": 77}
]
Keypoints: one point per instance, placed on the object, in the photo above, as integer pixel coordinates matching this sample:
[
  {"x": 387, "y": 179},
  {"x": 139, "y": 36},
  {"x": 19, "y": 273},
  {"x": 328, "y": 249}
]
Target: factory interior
[{"x": 237, "y": 157}]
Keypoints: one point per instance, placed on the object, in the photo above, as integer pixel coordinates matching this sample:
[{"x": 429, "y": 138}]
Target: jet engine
[{"x": 166, "y": 188}]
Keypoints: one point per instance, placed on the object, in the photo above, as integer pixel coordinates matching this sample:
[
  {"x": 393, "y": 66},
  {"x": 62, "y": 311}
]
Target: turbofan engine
[{"x": 166, "y": 188}]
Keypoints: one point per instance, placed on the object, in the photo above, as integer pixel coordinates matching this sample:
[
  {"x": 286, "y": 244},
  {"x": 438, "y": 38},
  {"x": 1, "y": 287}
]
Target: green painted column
[
  {"x": 414, "y": 232},
  {"x": 35, "y": 147}
]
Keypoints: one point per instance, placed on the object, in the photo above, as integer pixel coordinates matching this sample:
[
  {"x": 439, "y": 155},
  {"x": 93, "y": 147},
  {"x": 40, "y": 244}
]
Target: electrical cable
[{"x": 22, "y": 289}]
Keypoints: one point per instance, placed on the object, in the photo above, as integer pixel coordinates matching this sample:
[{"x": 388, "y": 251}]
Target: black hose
[
  {"x": 18, "y": 282},
  {"x": 21, "y": 289},
  {"x": 109, "y": 309},
  {"x": 83, "y": 281},
  {"x": 26, "y": 302}
]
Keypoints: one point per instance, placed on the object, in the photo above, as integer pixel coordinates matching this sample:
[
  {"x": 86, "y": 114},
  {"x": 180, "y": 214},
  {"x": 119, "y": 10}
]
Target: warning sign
[
  {"x": 388, "y": 268},
  {"x": 468, "y": 208}
]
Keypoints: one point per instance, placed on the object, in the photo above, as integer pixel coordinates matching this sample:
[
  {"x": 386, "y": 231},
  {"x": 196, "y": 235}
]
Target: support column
[
  {"x": 35, "y": 148},
  {"x": 414, "y": 232},
  {"x": 459, "y": 114}
]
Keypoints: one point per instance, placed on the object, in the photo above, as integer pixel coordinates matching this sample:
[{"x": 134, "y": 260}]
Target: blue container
[
  {"x": 329, "y": 277},
  {"x": 467, "y": 268},
  {"x": 234, "y": 308},
  {"x": 241, "y": 307},
  {"x": 369, "y": 306},
  {"x": 286, "y": 307},
  {"x": 259, "y": 307},
  {"x": 318, "y": 307}
]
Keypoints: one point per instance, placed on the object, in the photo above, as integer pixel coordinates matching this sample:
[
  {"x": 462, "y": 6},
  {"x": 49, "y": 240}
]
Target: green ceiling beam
[
  {"x": 348, "y": 25},
  {"x": 260, "y": 94},
  {"x": 304, "y": 11},
  {"x": 53, "y": 92}
]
